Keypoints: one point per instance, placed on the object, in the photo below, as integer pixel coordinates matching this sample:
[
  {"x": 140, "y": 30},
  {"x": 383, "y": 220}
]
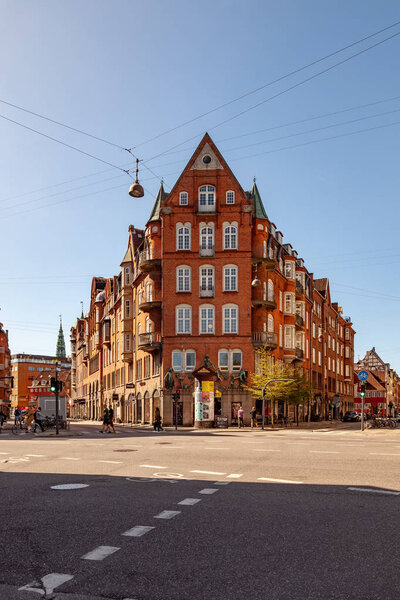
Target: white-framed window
[
  {"x": 313, "y": 355},
  {"x": 230, "y": 197},
  {"x": 313, "y": 330},
  {"x": 206, "y": 198},
  {"x": 207, "y": 237},
  {"x": 149, "y": 292},
  {"x": 127, "y": 275},
  {"x": 289, "y": 269},
  {"x": 147, "y": 325},
  {"x": 230, "y": 278},
  {"x": 289, "y": 303},
  {"x": 230, "y": 236},
  {"x": 319, "y": 358},
  {"x": 230, "y": 317},
  {"x": 280, "y": 336},
  {"x": 280, "y": 300},
  {"x": 183, "y": 278},
  {"x": 184, "y": 318},
  {"x": 207, "y": 319},
  {"x": 127, "y": 342},
  {"x": 183, "y": 236},
  {"x": 271, "y": 323},
  {"x": 183, "y": 360},
  {"x": 183, "y": 198},
  {"x": 206, "y": 278},
  {"x": 307, "y": 349},
  {"x": 230, "y": 360},
  {"x": 127, "y": 309},
  {"x": 347, "y": 352},
  {"x": 289, "y": 337}
]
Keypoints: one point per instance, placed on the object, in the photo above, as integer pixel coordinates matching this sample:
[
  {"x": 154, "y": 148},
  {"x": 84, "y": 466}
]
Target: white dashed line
[
  {"x": 174, "y": 447},
  {"x": 138, "y": 531},
  {"x": 383, "y": 454},
  {"x": 100, "y": 553},
  {"x": 218, "y": 448},
  {"x": 49, "y": 583},
  {"x": 36, "y": 455},
  {"x": 111, "y": 462},
  {"x": 235, "y": 475},
  {"x": 372, "y": 491},
  {"x": 168, "y": 514},
  {"x": 277, "y": 480},
  {"x": 208, "y": 472},
  {"x": 189, "y": 501},
  {"x": 323, "y": 452},
  {"x": 152, "y": 467},
  {"x": 68, "y": 458},
  {"x": 265, "y": 450},
  {"x": 208, "y": 491}
]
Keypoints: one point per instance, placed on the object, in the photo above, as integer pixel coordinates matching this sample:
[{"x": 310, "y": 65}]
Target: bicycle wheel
[{"x": 15, "y": 429}]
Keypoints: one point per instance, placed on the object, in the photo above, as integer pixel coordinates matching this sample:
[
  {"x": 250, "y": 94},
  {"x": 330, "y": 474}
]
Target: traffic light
[
  {"x": 176, "y": 396},
  {"x": 362, "y": 390},
  {"x": 53, "y": 384}
]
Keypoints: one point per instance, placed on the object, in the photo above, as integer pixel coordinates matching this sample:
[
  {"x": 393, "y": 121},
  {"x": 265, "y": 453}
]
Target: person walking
[
  {"x": 105, "y": 420},
  {"x": 253, "y": 416},
  {"x": 241, "y": 417},
  {"x": 111, "y": 420},
  {"x": 30, "y": 413},
  {"x": 38, "y": 420},
  {"x": 157, "y": 420}
]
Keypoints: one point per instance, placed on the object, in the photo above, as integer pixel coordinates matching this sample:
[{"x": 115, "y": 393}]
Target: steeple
[
  {"x": 259, "y": 210},
  {"x": 60, "y": 352}
]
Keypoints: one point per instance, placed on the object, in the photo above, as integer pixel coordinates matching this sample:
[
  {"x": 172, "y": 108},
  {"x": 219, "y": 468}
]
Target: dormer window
[
  {"x": 183, "y": 198},
  {"x": 207, "y": 198}
]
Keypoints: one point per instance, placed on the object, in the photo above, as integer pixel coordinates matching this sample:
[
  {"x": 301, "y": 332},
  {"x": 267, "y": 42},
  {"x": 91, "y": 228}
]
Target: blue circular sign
[{"x": 363, "y": 375}]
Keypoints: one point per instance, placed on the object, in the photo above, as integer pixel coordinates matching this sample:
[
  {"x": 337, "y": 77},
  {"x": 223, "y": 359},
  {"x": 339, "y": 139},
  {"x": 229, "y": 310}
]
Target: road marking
[
  {"x": 5, "y": 453},
  {"x": 189, "y": 501},
  {"x": 165, "y": 475},
  {"x": 36, "y": 455},
  {"x": 235, "y": 475},
  {"x": 111, "y": 462},
  {"x": 174, "y": 447},
  {"x": 300, "y": 443},
  {"x": 372, "y": 491},
  {"x": 222, "y": 482},
  {"x": 265, "y": 450},
  {"x": 49, "y": 583},
  {"x": 384, "y": 454},
  {"x": 277, "y": 480},
  {"x": 323, "y": 452},
  {"x": 68, "y": 458},
  {"x": 138, "y": 530},
  {"x": 208, "y": 472},
  {"x": 208, "y": 491},
  {"x": 69, "y": 486},
  {"x": 100, "y": 553},
  {"x": 167, "y": 514},
  {"x": 218, "y": 448},
  {"x": 152, "y": 467}
]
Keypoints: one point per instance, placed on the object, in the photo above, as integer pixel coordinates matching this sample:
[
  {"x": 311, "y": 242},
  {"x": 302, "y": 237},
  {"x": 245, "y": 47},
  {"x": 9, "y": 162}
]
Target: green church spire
[{"x": 60, "y": 352}]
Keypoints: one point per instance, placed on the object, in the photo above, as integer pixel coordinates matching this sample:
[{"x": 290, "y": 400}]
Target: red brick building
[
  {"x": 5, "y": 371},
  {"x": 207, "y": 282}
]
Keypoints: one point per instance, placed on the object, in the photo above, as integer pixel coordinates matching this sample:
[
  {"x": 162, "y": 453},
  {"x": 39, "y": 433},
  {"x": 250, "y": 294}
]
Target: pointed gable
[
  {"x": 155, "y": 213},
  {"x": 259, "y": 210}
]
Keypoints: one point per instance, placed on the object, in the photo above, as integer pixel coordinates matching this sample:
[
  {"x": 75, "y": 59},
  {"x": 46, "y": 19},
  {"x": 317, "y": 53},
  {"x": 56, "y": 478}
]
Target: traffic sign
[{"x": 363, "y": 375}]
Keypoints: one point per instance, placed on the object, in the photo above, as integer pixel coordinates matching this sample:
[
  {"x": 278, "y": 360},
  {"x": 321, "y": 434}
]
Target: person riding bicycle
[
  {"x": 18, "y": 417},
  {"x": 3, "y": 418}
]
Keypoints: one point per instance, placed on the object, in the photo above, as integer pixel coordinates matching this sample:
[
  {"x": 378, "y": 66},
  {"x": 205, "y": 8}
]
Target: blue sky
[{"x": 127, "y": 71}]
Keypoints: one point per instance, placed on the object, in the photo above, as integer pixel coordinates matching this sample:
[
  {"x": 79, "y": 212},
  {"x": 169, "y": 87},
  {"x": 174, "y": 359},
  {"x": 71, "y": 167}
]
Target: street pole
[
  {"x": 57, "y": 427},
  {"x": 263, "y": 397}
]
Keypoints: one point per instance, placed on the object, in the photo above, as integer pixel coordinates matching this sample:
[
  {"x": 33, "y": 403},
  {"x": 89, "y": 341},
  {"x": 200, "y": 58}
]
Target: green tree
[{"x": 295, "y": 392}]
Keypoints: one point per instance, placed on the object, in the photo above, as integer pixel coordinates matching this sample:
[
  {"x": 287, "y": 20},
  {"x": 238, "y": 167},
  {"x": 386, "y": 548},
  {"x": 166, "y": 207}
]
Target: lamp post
[{"x": 263, "y": 398}]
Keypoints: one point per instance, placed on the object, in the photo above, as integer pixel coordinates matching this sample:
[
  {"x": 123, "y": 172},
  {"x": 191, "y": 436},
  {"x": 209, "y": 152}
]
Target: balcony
[
  {"x": 151, "y": 342},
  {"x": 299, "y": 321},
  {"x": 147, "y": 263},
  {"x": 268, "y": 301},
  {"x": 299, "y": 354},
  {"x": 147, "y": 304},
  {"x": 299, "y": 288},
  {"x": 269, "y": 339},
  {"x": 207, "y": 292},
  {"x": 269, "y": 263},
  {"x": 127, "y": 356},
  {"x": 206, "y": 251}
]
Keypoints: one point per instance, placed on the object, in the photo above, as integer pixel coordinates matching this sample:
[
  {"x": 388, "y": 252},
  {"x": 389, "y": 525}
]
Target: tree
[{"x": 295, "y": 392}]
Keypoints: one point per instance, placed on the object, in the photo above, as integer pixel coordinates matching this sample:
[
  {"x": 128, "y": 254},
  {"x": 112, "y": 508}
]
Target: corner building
[{"x": 206, "y": 283}]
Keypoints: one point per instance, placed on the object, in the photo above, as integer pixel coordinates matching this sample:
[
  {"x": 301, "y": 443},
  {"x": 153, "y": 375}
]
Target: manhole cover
[{"x": 125, "y": 450}]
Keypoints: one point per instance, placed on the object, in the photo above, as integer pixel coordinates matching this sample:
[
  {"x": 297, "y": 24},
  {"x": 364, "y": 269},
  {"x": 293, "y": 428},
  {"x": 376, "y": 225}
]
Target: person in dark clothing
[
  {"x": 38, "y": 420},
  {"x": 253, "y": 415},
  {"x": 157, "y": 420},
  {"x": 111, "y": 420}
]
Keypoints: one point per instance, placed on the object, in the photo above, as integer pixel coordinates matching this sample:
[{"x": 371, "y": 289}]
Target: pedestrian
[
  {"x": 30, "y": 413},
  {"x": 3, "y": 418},
  {"x": 157, "y": 420},
  {"x": 253, "y": 415},
  {"x": 240, "y": 416},
  {"x": 18, "y": 417},
  {"x": 105, "y": 420},
  {"x": 111, "y": 420},
  {"x": 38, "y": 420}
]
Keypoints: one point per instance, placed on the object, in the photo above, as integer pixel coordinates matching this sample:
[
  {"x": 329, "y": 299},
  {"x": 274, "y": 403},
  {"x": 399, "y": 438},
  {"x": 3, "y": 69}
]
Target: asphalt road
[{"x": 261, "y": 515}]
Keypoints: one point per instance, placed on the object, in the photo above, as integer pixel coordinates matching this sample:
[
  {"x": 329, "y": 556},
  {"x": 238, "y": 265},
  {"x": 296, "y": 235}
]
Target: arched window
[
  {"x": 230, "y": 236},
  {"x": 230, "y": 318},
  {"x": 207, "y": 237},
  {"x": 271, "y": 325},
  {"x": 271, "y": 295},
  {"x": 230, "y": 197},
  {"x": 230, "y": 281},
  {"x": 183, "y": 319},
  {"x": 183, "y": 199},
  {"x": 147, "y": 326},
  {"x": 183, "y": 237},
  {"x": 183, "y": 278},
  {"x": 206, "y": 198},
  {"x": 207, "y": 319}
]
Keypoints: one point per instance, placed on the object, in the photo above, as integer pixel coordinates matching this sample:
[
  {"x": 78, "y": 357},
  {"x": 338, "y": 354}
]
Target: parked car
[{"x": 351, "y": 415}]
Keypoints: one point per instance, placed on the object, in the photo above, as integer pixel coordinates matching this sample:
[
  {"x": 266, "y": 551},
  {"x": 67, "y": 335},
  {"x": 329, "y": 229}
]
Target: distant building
[
  {"x": 27, "y": 368},
  {"x": 5, "y": 371},
  {"x": 382, "y": 393}
]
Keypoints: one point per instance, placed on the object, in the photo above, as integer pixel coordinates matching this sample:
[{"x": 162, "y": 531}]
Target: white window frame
[
  {"x": 230, "y": 367},
  {"x": 185, "y": 278},
  {"x": 230, "y": 236},
  {"x": 231, "y": 278},
  {"x": 290, "y": 299},
  {"x": 229, "y": 319},
  {"x": 186, "y": 319},
  {"x": 183, "y": 198},
  {"x": 206, "y": 236},
  {"x": 289, "y": 269},
  {"x": 127, "y": 307},
  {"x": 183, "y": 355},
  {"x": 230, "y": 197},
  {"x": 289, "y": 337},
  {"x": 127, "y": 275},
  {"x": 206, "y": 319},
  {"x": 207, "y": 198},
  {"x": 183, "y": 237},
  {"x": 271, "y": 323},
  {"x": 206, "y": 278}
]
